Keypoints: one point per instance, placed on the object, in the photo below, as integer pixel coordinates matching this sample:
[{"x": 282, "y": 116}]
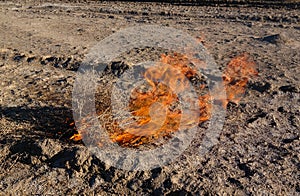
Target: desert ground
[{"x": 42, "y": 44}]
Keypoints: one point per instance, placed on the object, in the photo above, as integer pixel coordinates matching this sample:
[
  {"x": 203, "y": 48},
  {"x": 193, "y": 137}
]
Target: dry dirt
[{"x": 41, "y": 47}]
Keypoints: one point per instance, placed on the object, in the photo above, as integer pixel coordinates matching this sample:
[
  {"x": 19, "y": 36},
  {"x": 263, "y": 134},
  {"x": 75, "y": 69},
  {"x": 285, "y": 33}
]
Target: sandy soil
[{"x": 43, "y": 44}]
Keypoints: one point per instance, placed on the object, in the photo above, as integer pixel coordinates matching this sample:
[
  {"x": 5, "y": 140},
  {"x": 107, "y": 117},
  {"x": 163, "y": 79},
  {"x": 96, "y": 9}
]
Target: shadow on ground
[{"x": 50, "y": 122}]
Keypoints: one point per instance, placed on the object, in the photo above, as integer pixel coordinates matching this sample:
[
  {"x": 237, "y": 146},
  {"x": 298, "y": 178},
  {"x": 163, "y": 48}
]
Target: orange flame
[
  {"x": 76, "y": 137},
  {"x": 239, "y": 70},
  {"x": 151, "y": 107}
]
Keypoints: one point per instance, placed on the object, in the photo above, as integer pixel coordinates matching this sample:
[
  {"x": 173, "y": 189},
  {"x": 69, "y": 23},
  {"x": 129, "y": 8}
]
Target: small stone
[
  {"x": 30, "y": 59},
  {"x": 19, "y": 57}
]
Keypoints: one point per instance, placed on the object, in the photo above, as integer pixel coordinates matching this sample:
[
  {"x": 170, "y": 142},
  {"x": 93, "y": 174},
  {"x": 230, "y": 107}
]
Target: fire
[
  {"x": 76, "y": 137},
  {"x": 236, "y": 76},
  {"x": 154, "y": 108}
]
